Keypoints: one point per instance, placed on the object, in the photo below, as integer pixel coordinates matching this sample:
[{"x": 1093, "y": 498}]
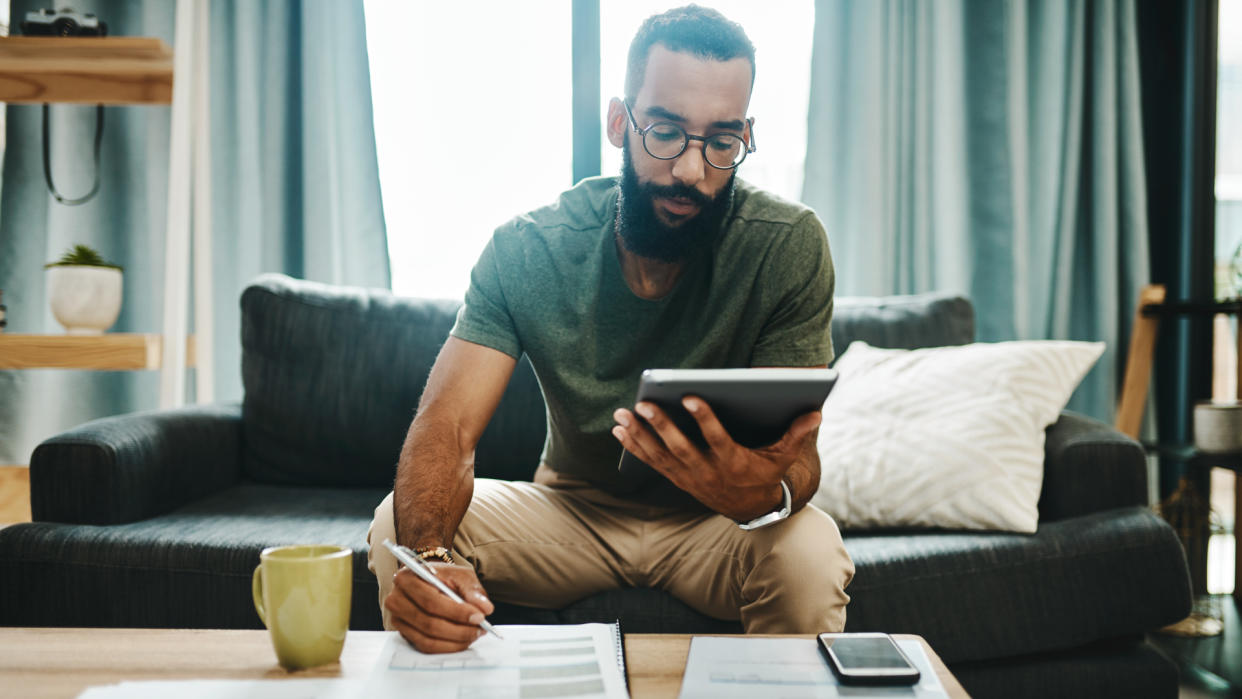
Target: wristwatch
[{"x": 774, "y": 516}]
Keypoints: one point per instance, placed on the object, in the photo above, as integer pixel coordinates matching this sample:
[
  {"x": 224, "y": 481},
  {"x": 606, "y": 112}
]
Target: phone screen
[
  {"x": 867, "y": 658},
  {"x": 855, "y": 653}
]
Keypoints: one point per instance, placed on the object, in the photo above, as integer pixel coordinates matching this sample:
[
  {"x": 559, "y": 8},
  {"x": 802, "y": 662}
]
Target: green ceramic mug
[{"x": 302, "y": 594}]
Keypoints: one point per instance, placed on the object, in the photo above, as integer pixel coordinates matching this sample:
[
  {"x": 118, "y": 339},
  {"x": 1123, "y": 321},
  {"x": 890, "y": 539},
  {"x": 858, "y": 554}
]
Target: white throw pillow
[{"x": 947, "y": 437}]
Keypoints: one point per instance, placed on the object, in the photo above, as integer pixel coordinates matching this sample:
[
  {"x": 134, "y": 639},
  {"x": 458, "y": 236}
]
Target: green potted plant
[{"x": 84, "y": 290}]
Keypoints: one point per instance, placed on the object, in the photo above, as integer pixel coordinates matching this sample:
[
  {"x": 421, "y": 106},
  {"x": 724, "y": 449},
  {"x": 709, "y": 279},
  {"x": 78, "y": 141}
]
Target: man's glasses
[{"x": 665, "y": 140}]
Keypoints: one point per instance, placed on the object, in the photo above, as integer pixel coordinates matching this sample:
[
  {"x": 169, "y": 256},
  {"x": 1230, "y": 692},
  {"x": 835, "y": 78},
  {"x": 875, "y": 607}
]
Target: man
[{"x": 676, "y": 265}]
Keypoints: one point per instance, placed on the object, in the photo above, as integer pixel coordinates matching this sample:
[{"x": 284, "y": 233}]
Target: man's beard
[{"x": 645, "y": 235}]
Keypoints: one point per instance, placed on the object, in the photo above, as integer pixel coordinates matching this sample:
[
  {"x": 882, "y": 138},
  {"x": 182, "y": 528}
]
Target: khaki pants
[{"x": 555, "y": 541}]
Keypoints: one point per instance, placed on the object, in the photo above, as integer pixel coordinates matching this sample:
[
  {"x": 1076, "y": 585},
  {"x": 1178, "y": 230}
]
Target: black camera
[{"x": 63, "y": 22}]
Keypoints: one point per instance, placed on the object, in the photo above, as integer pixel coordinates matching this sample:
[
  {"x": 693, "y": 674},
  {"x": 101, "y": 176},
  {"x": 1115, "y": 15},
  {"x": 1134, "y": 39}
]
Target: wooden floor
[{"x": 14, "y": 494}]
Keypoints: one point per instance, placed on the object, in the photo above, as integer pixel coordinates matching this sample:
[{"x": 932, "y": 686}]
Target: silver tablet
[{"x": 755, "y": 406}]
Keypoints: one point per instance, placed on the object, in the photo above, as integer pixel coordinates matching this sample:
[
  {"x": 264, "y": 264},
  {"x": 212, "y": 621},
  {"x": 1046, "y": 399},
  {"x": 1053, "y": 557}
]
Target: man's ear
[{"x": 618, "y": 123}]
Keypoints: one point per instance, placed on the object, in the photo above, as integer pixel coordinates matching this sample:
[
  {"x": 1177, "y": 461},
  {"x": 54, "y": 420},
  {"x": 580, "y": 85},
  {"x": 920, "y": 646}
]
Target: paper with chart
[
  {"x": 532, "y": 662},
  {"x": 724, "y": 668},
  {"x": 228, "y": 689}
]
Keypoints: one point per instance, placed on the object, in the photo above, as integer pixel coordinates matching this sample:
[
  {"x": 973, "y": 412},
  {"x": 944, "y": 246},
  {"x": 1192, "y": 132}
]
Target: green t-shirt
[{"x": 549, "y": 284}]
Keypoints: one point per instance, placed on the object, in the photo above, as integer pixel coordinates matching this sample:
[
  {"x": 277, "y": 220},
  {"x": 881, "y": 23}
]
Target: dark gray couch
[{"x": 156, "y": 519}]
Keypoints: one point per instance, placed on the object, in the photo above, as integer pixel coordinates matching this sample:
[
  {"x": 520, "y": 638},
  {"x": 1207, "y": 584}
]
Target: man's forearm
[
  {"x": 434, "y": 484},
  {"x": 803, "y": 475}
]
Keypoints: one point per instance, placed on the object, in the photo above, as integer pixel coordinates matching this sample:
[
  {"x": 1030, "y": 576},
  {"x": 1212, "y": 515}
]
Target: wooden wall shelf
[
  {"x": 107, "y": 352},
  {"x": 85, "y": 70}
]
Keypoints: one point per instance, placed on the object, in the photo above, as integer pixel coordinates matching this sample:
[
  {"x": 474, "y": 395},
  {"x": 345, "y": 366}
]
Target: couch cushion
[
  {"x": 903, "y": 322},
  {"x": 333, "y": 376},
  {"x": 190, "y": 568},
  {"x": 988, "y": 595}
]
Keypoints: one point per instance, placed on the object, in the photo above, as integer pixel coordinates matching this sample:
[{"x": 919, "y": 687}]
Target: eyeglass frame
[{"x": 688, "y": 137}]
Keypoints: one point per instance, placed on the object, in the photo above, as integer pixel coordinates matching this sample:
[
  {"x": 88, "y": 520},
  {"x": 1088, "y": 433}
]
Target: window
[
  {"x": 472, "y": 110},
  {"x": 472, "y": 127},
  {"x": 1229, "y": 149},
  {"x": 1221, "y": 548},
  {"x": 4, "y": 31}
]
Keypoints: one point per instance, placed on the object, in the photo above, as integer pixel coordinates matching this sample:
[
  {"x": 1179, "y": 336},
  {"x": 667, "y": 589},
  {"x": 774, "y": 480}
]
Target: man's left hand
[{"x": 733, "y": 480}]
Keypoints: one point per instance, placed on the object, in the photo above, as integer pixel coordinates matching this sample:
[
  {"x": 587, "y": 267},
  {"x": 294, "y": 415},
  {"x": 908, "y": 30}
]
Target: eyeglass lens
[{"x": 667, "y": 141}]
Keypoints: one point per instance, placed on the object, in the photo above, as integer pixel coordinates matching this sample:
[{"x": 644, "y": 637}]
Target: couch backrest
[
  {"x": 332, "y": 378},
  {"x": 903, "y": 322},
  {"x": 333, "y": 374}
]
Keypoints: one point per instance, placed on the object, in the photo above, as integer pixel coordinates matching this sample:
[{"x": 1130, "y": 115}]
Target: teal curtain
[
  {"x": 992, "y": 148},
  {"x": 296, "y": 180},
  {"x": 1178, "y": 52},
  {"x": 295, "y": 190}
]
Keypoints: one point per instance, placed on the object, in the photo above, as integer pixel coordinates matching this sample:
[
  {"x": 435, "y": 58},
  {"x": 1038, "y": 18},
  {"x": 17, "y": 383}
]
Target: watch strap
[{"x": 774, "y": 516}]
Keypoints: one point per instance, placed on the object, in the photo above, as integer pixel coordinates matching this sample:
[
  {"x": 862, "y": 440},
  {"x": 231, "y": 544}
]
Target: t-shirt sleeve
[
  {"x": 485, "y": 318},
  {"x": 800, "y": 275}
]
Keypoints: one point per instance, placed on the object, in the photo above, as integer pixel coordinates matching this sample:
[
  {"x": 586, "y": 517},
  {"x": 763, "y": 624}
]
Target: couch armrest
[
  {"x": 132, "y": 467},
  {"x": 1089, "y": 467}
]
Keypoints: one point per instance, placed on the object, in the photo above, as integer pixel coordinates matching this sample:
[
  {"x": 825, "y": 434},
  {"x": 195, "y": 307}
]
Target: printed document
[
  {"x": 532, "y": 662},
  {"x": 724, "y": 668},
  {"x": 228, "y": 689}
]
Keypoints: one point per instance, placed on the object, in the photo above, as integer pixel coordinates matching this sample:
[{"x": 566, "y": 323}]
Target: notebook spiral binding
[{"x": 619, "y": 641}]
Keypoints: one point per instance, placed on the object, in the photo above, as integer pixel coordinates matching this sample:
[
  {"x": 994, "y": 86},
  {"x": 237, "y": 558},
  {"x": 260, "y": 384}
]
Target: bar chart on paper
[{"x": 530, "y": 663}]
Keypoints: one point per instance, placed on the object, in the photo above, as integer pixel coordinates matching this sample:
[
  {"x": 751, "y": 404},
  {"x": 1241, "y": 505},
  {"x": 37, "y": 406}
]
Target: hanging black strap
[{"x": 47, "y": 161}]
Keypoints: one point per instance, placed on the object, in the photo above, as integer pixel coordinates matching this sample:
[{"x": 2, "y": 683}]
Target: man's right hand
[{"x": 429, "y": 620}]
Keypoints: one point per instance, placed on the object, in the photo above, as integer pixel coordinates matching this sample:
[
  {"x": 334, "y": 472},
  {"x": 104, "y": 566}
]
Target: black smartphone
[{"x": 867, "y": 658}]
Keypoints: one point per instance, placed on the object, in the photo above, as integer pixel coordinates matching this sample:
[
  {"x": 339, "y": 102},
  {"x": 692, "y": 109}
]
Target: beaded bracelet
[{"x": 437, "y": 552}]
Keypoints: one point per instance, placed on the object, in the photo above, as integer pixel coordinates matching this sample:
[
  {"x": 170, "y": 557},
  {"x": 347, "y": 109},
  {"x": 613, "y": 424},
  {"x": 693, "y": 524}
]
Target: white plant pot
[
  {"x": 86, "y": 300},
  {"x": 1218, "y": 426}
]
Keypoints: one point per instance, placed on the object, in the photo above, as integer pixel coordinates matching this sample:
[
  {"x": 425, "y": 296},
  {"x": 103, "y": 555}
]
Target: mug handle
[{"x": 256, "y": 589}]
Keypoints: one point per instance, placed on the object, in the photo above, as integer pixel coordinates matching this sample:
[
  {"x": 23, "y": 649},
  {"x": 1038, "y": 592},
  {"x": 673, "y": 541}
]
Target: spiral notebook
[{"x": 553, "y": 661}]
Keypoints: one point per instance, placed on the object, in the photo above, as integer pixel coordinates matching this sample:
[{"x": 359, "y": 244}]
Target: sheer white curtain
[
  {"x": 1229, "y": 147},
  {"x": 472, "y": 115},
  {"x": 472, "y": 126}
]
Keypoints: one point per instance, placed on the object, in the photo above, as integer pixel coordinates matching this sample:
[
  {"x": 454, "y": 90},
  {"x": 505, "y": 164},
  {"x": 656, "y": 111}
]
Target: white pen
[{"x": 426, "y": 572}]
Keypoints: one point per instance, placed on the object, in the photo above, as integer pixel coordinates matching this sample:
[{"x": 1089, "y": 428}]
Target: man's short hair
[{"x": 699, "y": 31}]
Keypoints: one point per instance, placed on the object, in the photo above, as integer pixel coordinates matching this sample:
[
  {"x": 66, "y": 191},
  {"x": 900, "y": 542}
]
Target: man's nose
[{"x": 689, "y": 168}]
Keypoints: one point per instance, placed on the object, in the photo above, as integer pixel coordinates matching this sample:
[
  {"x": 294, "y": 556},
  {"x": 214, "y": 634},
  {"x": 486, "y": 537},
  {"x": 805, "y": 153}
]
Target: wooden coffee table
[
  {"x": 654, "y": 663},
  {"x": 41, "y": 662}
]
